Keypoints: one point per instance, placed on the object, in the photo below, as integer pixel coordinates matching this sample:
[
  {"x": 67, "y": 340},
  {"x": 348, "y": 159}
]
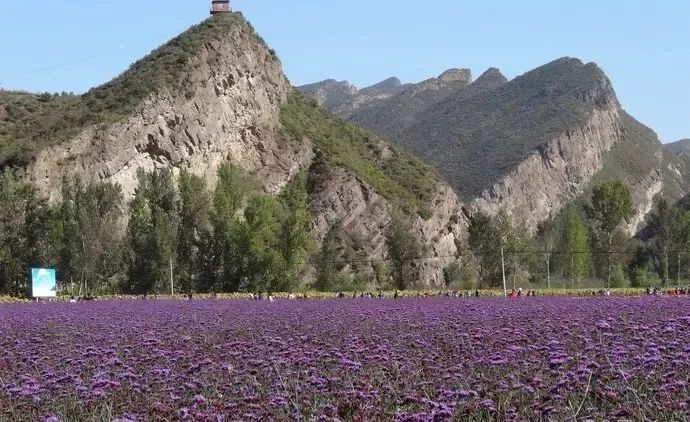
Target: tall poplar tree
[
  {"x": 610, "y": 208},
  {"x": 575, "y": 248}
]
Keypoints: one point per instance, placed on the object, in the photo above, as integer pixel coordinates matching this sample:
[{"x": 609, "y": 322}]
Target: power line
[
  {"x": 69, "y": 63},
  {"x": 81, "y": 60},
  {"x": 428, "y": 258}
]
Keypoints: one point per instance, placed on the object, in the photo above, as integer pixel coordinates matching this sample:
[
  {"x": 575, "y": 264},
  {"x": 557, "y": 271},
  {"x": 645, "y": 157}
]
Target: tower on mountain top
[{"x": 220, "y": 6}]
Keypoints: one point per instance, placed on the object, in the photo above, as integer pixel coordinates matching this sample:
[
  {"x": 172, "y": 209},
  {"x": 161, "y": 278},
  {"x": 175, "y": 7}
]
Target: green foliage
[
  {"x": 343, "y": 261},
  {"x": 452, "y": 274},
  {"x": 611, "y": 206},
  {"x": 400, "y": 178},
  {"x": 257, "y": 242},
  {"x": 260, "y": 243},
  {"x": 382, "y": 276},
  {"x": 294, "y": 241},
  {"x": 575, "y": 248},
  {"x": 483, "y": 241},
  {"x": 664, "y": 229},
  {"x": 403, "y": 249},
  {"x": 618, "y": 276},
  {"x": 459, "y": 276},
  {"x": 682, "y": 240},
  {"x": 20, "y": 214},
  {"x": 489, "y": 237},
  {"x": 194, "y": 230},
  {"x": 152, "y": 232},
  {"x": 86, "y": 234},
  {"x": 326, "y": 264},
  {"x": 139, "y": 254},
  {"x": 81, "y": 235},
  {"x": 545, "y": 243},
  {"x": 233, "y": 191},
  {"x": 643, "y": 278},
  {"x": 516, "y": 245},
  {"x": 32, "y": 122}
]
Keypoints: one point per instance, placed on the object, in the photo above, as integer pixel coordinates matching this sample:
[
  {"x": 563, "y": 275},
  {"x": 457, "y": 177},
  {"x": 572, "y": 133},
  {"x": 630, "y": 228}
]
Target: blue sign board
[{"x": 43, "y": 282}]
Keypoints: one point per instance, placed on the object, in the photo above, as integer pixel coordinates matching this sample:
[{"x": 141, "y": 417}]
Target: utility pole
[
  {"x": 172, "y": 282},
  {"x": 548, "y": 270},
  {"x": 503, "y": 268}
]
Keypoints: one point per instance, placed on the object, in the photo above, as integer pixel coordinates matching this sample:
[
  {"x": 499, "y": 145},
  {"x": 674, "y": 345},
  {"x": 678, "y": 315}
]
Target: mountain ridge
[
  {"x": 499, "y": 142},
  {"x": 679, "y": 147}
]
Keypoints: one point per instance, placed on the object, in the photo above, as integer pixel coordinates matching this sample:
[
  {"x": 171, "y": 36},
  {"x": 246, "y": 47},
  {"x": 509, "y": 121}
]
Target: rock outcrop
[
  {"x": 344, "y": 199},
  {"x": 556, "y": 174},
  {"x": 229, "y": 111}
]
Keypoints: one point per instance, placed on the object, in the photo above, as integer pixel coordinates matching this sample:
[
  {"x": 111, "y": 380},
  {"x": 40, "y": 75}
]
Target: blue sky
[{"x": 642, "y": 45}]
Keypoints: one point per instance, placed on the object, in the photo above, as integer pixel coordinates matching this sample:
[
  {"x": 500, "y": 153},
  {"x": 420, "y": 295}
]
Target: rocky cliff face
[
  {"x": 644, "y": 193},
  {"x": 228, "y": 112},
  {"x": 556, "y": 174},
  {"x": 343, "y": 98},
  {"x": 344, "y": 199}
]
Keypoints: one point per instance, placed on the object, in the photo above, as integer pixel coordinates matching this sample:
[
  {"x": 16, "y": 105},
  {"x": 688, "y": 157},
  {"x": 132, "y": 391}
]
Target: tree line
[
  {"x": 174, "y": 235},
  {"x": 586, "y": 246},
  {"x": 177, "y": 235}
]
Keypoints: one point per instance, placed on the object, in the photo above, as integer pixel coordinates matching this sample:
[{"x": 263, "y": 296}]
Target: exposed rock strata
[
  {"x": 344, "y": 199},
  {"x": 229, "y": 112},
  {"x": 556, "y": 174}
]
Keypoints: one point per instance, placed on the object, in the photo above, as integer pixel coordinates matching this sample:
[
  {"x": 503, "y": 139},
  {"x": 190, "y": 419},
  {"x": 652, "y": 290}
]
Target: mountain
[
  {"x": 681, "y": 147},
  {"x": 217, "y": 93},
  {"x": 383, "y": 107},
  {"x": 531, "y": 145}
]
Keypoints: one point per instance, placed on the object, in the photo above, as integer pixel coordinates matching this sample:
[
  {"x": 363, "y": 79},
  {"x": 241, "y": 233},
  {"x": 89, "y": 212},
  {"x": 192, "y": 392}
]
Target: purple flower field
[{"x": 438, "y": 359}]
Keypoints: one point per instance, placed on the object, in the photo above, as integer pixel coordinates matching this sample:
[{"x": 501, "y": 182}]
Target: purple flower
[{"x": 603, "y": 325}]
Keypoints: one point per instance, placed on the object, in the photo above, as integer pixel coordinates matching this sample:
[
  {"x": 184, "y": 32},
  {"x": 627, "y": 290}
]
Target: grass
[
  {"x": 403, "y": 180},
  {"x": 31, "y": 122}
]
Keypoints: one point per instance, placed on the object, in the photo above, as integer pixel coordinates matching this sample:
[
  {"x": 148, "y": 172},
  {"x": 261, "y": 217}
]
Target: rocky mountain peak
[
  {"x": 392, "y": 82},
  {"x": 569, "y": 78},
  {"x": 455, "y": 75},
  {"x": 211, "y": 93},
  {"x": 491, "y": 78}
]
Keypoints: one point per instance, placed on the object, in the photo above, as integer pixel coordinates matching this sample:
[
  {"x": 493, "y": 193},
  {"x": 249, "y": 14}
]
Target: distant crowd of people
[
  {"x": 672, "y": 292},
  {"x": 514, "y": 293},
  {"x": 520, "y": 293},
  {"x": 397, "y": 295}
]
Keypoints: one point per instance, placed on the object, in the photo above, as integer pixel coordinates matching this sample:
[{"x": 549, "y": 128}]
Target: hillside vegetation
[
  {"x": 30, "y": 122},
  {"x": 394, "y": 174}
]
